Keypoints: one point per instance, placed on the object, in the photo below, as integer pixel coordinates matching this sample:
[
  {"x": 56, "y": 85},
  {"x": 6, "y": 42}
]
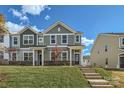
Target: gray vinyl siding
[
  {"x": 55, "y": 30},
  {"x": 71, "y": 40},
  {"x": 28, "y": 32}
]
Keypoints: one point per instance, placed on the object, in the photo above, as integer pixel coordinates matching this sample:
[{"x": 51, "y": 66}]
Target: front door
[
  {"x": 121, "y": 62},
  {"x": 39, "y": 58},
  {"x": 77, "y": 58}
]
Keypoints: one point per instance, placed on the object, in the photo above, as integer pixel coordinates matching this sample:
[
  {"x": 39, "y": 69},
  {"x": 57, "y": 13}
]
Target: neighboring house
[
  {"x": 4, "y": 43},
  {"x": 108, "y": 50},
  {"x": 36, "y": 48},
  {"x": 86, "y": 61}
]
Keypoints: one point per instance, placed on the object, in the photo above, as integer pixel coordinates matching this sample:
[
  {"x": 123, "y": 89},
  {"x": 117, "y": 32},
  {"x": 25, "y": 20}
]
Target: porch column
[
  {"x": 42, "y": 57},
  {"x": 81, "y": 58},
  {"x": 33, "y": 57},
  {"x": 70, "y": 57}
]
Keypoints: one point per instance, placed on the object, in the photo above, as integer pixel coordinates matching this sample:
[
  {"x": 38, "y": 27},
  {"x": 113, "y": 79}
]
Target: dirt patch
[{"x": 3, "y": 76}]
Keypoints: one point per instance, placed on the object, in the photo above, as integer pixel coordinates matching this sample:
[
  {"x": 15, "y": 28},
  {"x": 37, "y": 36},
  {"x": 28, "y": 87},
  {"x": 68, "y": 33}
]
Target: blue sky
[{"x": 91, "y": 20}]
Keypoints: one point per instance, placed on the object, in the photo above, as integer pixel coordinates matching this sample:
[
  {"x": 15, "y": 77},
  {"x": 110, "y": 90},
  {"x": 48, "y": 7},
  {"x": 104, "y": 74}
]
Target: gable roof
[
  {"x": 59, "y": 23},
  {"x": 25, "y": 28}
]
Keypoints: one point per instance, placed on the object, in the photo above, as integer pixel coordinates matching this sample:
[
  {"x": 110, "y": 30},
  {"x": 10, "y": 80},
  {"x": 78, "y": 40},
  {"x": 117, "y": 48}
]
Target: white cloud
[
  {"x": 35, "y": 28},
  {"x": 18, "y": 14},
  {"x": 87, "y": 41},
  {"x": 13, "y": 27},
  {"x": 15, "y": 12},
  {"x": 34, "y": 9},
  {"x": 47, "y": 17}
]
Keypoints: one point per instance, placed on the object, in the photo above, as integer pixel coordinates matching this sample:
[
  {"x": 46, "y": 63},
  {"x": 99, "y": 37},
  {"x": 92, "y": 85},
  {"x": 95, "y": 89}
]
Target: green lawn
[{"x": 29, "y": 76}]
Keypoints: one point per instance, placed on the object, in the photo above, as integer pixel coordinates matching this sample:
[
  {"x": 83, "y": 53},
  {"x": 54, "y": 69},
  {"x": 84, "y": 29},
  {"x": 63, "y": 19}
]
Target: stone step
[
  {"x": 88, "y": 71},
  {"x": 102, "y": 86},
  {"x": 91, "y": 74},
  {"x": 98, "y": 82},
  {"x": 93, "y": 77}
]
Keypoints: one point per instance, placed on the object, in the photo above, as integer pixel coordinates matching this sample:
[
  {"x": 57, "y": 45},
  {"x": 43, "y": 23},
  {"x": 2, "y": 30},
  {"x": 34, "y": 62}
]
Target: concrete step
[
  {"x": 88, "y": 70},
  {"x": 93, "y": 77},
  {"x": 98, "y": 82},
  {"x": 91, "y": 74},
  {"x": 102, "y": 86}
]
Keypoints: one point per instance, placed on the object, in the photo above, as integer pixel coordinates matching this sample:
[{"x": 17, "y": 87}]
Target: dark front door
[
  {"x": 77, "y": 58},
  {"x": 121, "y": 62},
  {"x": 39, "y": 58}
]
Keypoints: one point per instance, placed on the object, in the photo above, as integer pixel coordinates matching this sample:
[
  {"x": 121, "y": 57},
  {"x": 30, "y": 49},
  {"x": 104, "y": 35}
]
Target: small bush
[{"x": 107, "y": 75}]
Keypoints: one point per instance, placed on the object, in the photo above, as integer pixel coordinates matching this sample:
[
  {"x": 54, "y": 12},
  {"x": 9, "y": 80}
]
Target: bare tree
[{"x": 56, "y": 51}]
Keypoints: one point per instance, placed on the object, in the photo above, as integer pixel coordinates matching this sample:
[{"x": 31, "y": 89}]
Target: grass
[
  {"x": 45, "y": 77},
  {"x": 107, "y": 75}
]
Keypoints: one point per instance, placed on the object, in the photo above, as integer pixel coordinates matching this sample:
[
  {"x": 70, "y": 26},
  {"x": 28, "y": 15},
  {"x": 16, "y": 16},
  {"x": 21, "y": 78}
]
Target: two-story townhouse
[
  {"x": 108, "y": 50},
  {"x": 4, "y": 44},
  {"x": 36, "y": 48}
]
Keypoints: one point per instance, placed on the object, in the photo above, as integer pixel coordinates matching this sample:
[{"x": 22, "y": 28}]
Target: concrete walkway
[{"x": 95, "y": 79}]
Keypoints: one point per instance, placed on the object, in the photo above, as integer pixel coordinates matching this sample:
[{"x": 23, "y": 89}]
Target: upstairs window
[
  {"x": 1, "y": 38},
  {"x": 59, "y": 29},
  {"x": 15, "y": 40},
  {"x": 53, "y": 39},
  {"x": 77, "y": 39},
  {"x": 40, "y": 40},
  {"x": 122, "y": 41},
  {"x": 106, "y": 48},
  {"x": 28, "y": 39},
  {"x": 64, "y": 39}
]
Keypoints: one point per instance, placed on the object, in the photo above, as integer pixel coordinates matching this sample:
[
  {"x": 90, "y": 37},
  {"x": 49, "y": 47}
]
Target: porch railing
[
  {"x": 60, "y": 63},
  {"x": 27, "y": 63}
]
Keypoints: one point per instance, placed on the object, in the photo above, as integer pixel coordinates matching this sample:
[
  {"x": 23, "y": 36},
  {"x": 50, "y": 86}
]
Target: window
[
  {"x": 123, "y": 41},
  {"x": 53, "y": 39},
  {"x": 1, "y": 39},
  {"x": 13, "y": 56},
  {"x": 59, "y": 29},
  {"x": 106, "y": 61},
  {"x": 64, "y": 39},
  {"x": 28, "y": 56},
  {"x": 15, "y": 40},
  {"x": 1, "y": 54},
  {"x": 64, "y": 56},
  {"x": 77, "y": 39},
  {"x": 28, "y": 39},
  {"x": 40, "y": 40},
  {"x": 106, "y": 48}
]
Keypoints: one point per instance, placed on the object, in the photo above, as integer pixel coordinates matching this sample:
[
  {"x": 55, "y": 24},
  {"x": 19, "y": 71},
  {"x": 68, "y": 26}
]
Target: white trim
[
  {"x": 38, "y": 39},
  {"x": 18, "y": 40},
  {"x": 66, "y": 55},
  {"x": 50, "y": 55},
  {"x": 58, "y": 46},
  {"x": 26, "y": 52},
  {"x": 55, "y": 40},
  {"x": 79, "y": 38},
  {"x": 28, "y": 39},
  {"x": 25, "y": 28},
  {"x": 59, "y": 23},
  {"x": 59, "y": 34},
  {"x": 62, "y": 39}
]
